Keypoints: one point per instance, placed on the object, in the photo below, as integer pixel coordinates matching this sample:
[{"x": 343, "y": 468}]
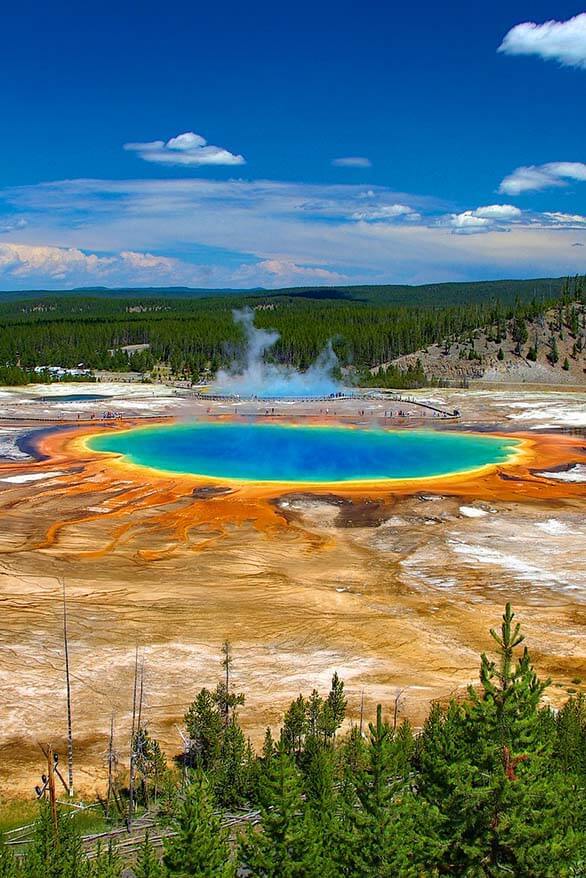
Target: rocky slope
[{"x": 549, "y": 349}]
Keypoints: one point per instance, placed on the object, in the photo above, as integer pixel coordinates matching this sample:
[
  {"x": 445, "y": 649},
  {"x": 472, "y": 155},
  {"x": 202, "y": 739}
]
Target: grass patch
[
  {"x": 17, "y": 812},
  {"x": 20, "y": 812}
]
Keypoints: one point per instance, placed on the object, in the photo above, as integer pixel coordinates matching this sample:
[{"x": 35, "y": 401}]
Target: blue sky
[{"x": 252, "y": 144}]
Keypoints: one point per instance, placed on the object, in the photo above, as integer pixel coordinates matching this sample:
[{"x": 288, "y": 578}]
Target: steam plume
[{"x": 257, "y": 378}]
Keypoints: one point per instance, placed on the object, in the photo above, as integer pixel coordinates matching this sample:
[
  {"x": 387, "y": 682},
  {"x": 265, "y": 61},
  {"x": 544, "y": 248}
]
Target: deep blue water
[
  {"x": 287, "y": 453},
  {"x": 74, "y": 397}
]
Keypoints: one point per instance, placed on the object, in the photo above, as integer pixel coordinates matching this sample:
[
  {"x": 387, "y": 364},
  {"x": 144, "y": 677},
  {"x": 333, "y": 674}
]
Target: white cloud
[
  {"x": 352, "y": 161},
  {"x": 148, "y": 262},
  {"x": 386, "y": 212},
  {"x": 482, "y": 219},
  {"x": 532, "y": 178},
  {"x": 566, "y": 219},
  {"x": 498, "y": 212},
  {"x": 56, "y": 263},
  {"x": 233, "y": 232},
  {"x": 467, "y": 222},
  {"x": 185, "y": 149},
  {"x": 74, "y": 266},
  {"x": 563, "y": 41}
]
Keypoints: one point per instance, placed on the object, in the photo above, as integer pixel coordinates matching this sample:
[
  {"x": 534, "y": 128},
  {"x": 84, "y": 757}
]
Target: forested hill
[
  {"x": 191, "y": 337},
  {"x": 395, "y": 294}
]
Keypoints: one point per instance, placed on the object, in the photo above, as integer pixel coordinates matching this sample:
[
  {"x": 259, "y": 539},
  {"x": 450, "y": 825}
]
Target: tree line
[
  {"x": 197, "y": 336},
  {"x": 493, "y": 784}
]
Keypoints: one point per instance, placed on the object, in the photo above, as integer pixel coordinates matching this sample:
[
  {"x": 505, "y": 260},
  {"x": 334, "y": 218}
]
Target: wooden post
[
  {"x": 68, "y": 686},
  {"x": 110, "y": 765},
  {"x": 51, "y": 786},
  {"x": 398, "y": 696},
  {"x": 227, "y": 662},
  {"x": 132, "y": 737}
]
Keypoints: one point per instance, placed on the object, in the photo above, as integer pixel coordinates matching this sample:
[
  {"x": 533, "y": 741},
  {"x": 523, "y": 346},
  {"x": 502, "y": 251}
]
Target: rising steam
[{"x": 257, "y": 378}]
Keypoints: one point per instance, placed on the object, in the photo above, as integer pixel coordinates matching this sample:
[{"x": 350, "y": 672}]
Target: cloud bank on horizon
[{"x": 247, "y": 233}]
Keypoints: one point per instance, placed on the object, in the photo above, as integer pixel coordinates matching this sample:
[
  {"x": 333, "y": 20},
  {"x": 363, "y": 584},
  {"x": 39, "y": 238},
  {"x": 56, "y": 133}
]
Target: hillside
[
  {"x": 550, "y": 349},
  {"x": 434, "y": 294}
]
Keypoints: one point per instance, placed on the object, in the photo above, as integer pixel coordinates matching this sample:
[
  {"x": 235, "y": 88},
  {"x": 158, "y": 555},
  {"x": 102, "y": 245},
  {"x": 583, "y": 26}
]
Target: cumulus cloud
[
  {"x": 386, "y": 212},
  {"x": 533, "y": 178},
  {"x": 489, "y": 217},
  {"x": 57, "y": 263},
  {"x": 352, "y": 161},
  {"x": 498, "y": 212},
  {"x": 185, "y": 149},
  {"x": 562, "y": 41},
  {"x": 75, "y": 266}
]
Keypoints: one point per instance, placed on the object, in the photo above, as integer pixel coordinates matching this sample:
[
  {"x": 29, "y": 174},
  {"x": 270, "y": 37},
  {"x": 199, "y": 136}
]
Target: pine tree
[
  {"x": 553, "y": 355},
  {"x": 147, "y": 863},
  {"x": 295, "y": 727},
  {"x": 335, "y": 706},
  {"x": 200, "y": 849},
  {"x": 387, "y": 831},
  {"x": 285, "y": 844},
  {"x": 319, "y": 785},
  {"x": 106, "y": 863},
  {"x": 55, "y": 852},
  {"x": 204, "y": 724},
  {"x": 232, "y": 776},
  {"x": 488, "y": 764},
  {"x": 570, "y": 736}
]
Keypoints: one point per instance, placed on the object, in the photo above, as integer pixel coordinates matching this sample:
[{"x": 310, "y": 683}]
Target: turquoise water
[{"x": 287, "y": 453}]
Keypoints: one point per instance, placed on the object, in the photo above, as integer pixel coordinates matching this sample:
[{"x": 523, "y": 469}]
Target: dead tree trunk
[{"x": 68, "y": 687}]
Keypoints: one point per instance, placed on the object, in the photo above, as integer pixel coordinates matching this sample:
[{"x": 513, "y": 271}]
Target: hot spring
[{"x": 313, "y": 454}]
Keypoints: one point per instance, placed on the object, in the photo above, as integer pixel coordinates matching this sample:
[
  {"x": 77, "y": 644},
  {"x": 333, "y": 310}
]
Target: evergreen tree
[
  {"x": 570, "y": 736},
  {"x": 387, "y": 831},
  {"x": 335, "y": 707},
  {"x": 200, "y": 849},
  {"x": 204, "y": 724},
  {"x": 519, "y": 333},
  {"x": 147, "y": 862},
  {"x": 553, "y": 355},
  {"x": 106, "y": 863},
  {"x": 151, "y": 765},
  {"x": 294, "y": 727},
  {"x": 285, "y": 845},
  {"x": 232, "y": 776},
  {"x": 487, "y": 763},
  {"x": 55, "y": 852}
]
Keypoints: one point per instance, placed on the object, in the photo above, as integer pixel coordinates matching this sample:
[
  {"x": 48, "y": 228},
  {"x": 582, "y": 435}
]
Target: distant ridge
[{"x": 401, "y": 294}]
